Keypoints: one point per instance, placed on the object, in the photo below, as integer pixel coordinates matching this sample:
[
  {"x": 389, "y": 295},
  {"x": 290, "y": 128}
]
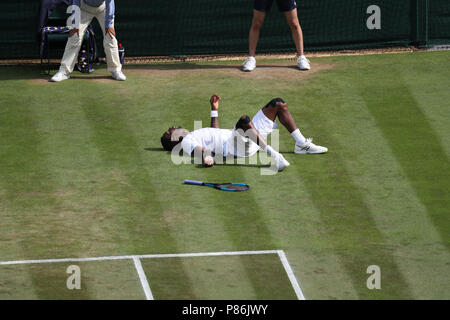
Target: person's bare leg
[
  {"x": 281, "y": 111},
  {"x": 302, "y": 145},
  {"x": 257, "y": 22},
  {"x": 296, "y": 30}
]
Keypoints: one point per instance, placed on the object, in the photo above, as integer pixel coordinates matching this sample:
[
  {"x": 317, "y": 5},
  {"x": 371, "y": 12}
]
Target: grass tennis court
[{"x": 83, "y": 174}]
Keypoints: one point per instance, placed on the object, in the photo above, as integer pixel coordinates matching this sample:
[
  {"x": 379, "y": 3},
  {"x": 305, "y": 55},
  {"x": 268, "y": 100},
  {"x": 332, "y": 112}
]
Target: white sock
[
  {"x": 299, "y": 138},
  {"x": 270, "y": 151}
]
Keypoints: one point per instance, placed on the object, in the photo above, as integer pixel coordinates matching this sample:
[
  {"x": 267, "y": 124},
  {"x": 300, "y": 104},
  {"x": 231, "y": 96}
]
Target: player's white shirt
[
  {"x": 225, "y": 141},
  {"x": 213, "y": 139}
]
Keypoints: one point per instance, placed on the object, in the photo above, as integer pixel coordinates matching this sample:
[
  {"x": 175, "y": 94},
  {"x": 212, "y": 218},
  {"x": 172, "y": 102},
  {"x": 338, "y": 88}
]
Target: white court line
[
  {"x": 145, "y": 256},
  {"x": 290, "y": 273},
  {"x": 143, "y": 278},
  {"x": 138, "y": 265}
]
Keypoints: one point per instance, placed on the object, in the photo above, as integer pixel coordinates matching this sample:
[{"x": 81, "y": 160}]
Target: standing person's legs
[
  {"x": 73, "y": 44},
  {"x": 257, "y": 22},
  {"x": 289, "y": 7},
  {"x": 109, "y": 44},
  {"x": 259, "y": 13},
  {"x": 296, "y": 30}
]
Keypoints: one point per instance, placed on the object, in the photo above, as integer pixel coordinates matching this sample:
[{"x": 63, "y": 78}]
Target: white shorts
[
  {"x": 263, "y": 124},
  {"x": 239, "y": 146}
]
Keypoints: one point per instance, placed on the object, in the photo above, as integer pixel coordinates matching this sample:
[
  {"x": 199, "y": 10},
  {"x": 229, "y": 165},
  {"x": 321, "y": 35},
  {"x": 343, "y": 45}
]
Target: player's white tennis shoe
[
  {"x": 309, "y": 148},
  {"x": 59, "y": 76},
  {"x": 280, "y": 162},
  {"x": 303, "y": 63},
  {"x": 119, "y": 76},
  {"x": 249, "y": 64}
]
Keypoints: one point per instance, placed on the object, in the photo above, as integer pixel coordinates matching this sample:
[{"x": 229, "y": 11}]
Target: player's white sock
[
  {"x": 299, "y": 138},
  {"x": 270, "y": 151},
  {"x": 278, "y": 160}
]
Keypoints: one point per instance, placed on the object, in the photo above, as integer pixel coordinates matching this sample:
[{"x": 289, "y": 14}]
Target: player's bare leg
[{"x": 281, "y": 111}]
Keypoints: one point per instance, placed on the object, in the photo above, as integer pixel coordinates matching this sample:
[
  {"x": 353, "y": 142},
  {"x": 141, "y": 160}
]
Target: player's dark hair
[
  {"x": 243, "y": 122},
  {"x": 167, "y": 143},
  {"x": 273, "y": 102}
]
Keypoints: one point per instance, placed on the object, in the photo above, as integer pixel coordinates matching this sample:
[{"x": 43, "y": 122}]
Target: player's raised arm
[{"x": 214, "y": 101}]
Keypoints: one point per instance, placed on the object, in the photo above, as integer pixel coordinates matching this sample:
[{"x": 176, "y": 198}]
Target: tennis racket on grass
[{"x": 229, "y": 186}]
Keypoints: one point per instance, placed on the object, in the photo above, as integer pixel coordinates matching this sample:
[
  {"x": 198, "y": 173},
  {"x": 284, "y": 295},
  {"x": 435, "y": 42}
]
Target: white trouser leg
[
  {"x": 109, "y": 45},
  {"x": 73, "y": 44}
]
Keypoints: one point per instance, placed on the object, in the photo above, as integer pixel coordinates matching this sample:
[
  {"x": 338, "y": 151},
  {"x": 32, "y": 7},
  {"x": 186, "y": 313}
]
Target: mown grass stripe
[
  {"x": 416, "y": 147},
  {"x": 347, "y": 221},
  {"x": 139, "y": 203},
  {"x": 352, "y": 230},
  {"x": 30, "y": 186},
  {"x": 398, "y": 213},
  {"x": 244, "y": 221},
  {"x": 73, "y": 159},
  {"x": 194, "y": 203}
]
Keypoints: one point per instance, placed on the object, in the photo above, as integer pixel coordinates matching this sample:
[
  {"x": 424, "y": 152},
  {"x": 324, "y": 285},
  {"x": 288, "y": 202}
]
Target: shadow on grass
[
  {"x": 92, "y": 77},
  {"x": 12, "y": 72},
  {"x": 34, "y": 72},
  {"x": 304, "y": 154},
  {"x": 195, "y": 66},
  {"x": 155, "y": 149},
  {"x": 259, "y": 166}
]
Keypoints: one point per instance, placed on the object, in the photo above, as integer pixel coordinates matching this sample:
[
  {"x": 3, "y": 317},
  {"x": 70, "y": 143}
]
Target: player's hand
[
  {"x": 214, "y": 102},
  {"x": 73, "y": 31},
  {"x": 208, "y": 161},
  {"x": 111, "y": 32}
]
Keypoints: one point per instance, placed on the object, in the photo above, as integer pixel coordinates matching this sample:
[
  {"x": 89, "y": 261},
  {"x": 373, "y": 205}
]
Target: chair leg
[
  {"x": 41, "y": 51},
  {"x": 48, "y": 57}
]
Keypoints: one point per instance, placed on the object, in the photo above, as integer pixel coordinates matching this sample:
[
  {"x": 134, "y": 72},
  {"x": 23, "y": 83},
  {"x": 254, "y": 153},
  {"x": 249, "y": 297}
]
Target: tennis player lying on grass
[{"x": 244, "y": 140}]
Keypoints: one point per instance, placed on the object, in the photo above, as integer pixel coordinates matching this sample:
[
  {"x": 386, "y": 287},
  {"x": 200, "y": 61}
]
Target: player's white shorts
[
  {"x": 240, "y": 146},
  {"x": 263, "y": 124}
]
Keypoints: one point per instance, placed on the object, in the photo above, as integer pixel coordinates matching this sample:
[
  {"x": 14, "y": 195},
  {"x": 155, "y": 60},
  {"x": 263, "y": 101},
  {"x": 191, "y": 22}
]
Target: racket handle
[{"x": 198, "y": 183}]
